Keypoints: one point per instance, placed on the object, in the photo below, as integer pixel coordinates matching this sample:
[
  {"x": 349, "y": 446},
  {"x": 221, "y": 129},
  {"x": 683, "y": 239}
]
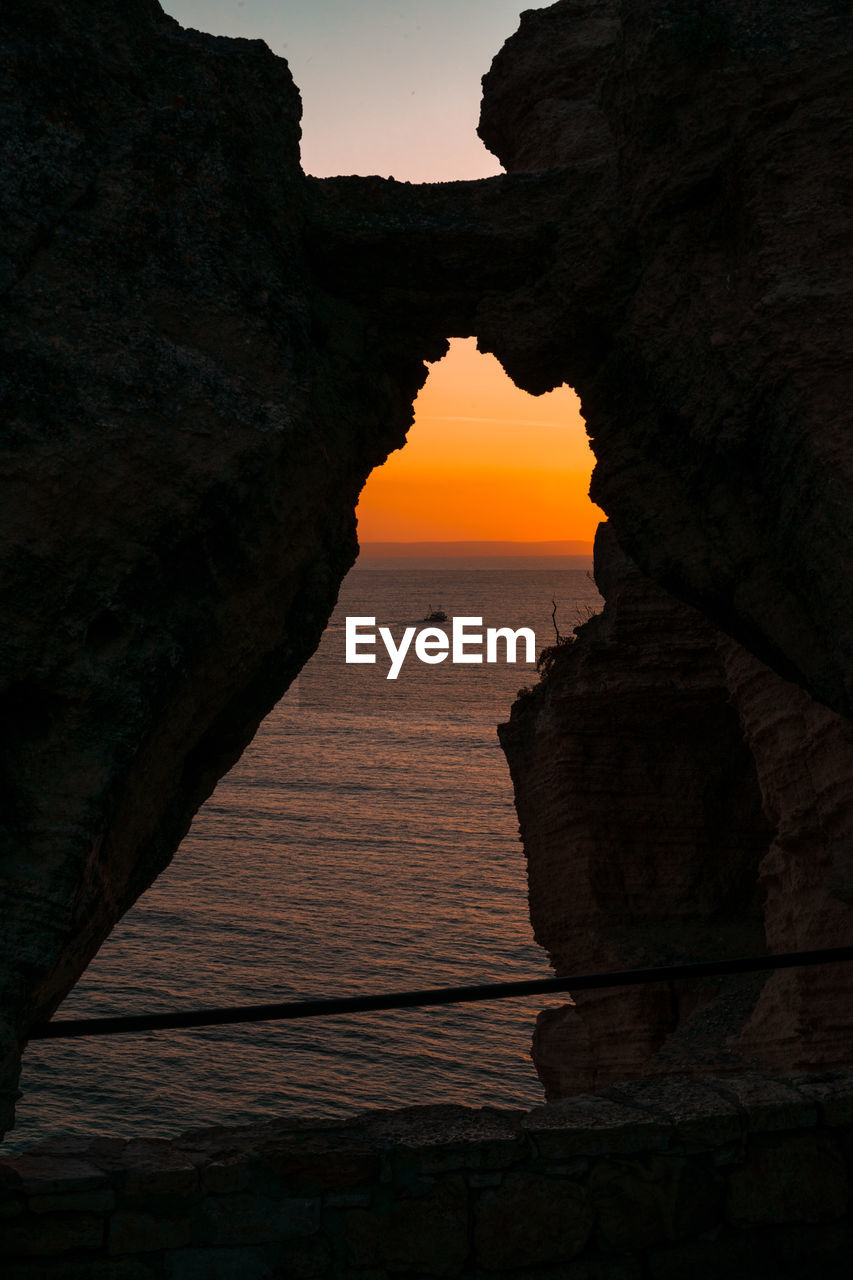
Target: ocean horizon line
[{"x": 484, "y": 548}]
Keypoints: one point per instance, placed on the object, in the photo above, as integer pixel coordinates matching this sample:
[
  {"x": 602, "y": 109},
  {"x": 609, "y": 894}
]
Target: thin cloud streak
[{"x": 510, "y": 422}]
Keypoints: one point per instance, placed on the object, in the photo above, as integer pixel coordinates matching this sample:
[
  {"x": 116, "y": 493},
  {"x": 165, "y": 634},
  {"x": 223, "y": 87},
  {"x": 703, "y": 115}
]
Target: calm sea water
[{"x": 366, "y": 841}]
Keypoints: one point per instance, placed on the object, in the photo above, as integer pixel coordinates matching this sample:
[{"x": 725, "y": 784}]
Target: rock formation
[
  {"x": 666, "y": 815},
  {"x": 642, "y": 823},
  {"x": 803, "y": 755},
  {"x": 205, "y": 353},
  {"x": 706, "y": 325},
  {"x": 700, "y": 300}
]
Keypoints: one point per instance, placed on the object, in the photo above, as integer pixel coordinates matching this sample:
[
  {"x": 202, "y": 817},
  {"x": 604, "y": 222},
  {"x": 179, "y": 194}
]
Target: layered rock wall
[
  {"x": 642, "y": 823},
  {"x": 803, "y": 756},
  {"x": 678, "y": 800}
]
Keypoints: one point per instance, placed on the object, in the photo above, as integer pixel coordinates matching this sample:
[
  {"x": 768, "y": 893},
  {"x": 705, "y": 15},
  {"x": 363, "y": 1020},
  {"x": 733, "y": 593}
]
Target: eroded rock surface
[
  {"x": 701, "y": 304},
  {"x": 177, "y": 497},
  {"x": 679, "y": 801},
  {"x": 642, "y": 823},
  {"x": 701, "y": 298},
  {"x": 204, "y": 355},
  {"x": 803, "y": 755}
]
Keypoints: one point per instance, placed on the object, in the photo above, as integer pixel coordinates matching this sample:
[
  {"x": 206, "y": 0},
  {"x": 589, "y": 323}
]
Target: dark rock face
[
  {"x": 803, "y": 755},
  {"x": 701, "y": 305},
  {"x": 642, "y": 822},
  {"x": 700, "y": 300},
  {"x": 177, "y": 498},
  {"x": 204, "y": 355},
  {"x": 679, "y": 800}
]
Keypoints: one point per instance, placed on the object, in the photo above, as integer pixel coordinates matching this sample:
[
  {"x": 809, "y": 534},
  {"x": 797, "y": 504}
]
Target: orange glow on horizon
[{"x": 483, "y": 460}]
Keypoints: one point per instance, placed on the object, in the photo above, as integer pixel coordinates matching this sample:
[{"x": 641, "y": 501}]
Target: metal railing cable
[{"x": 182, "y": 1019}]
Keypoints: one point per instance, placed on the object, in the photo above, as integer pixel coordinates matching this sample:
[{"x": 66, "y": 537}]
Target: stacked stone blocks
[{"x": 739, "y": 1176}]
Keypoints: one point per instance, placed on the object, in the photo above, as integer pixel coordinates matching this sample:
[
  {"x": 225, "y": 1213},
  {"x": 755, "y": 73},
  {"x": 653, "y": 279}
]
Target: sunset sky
[
  {"x": 393, "y": 87},
  {"x": 484, "y": 460}
]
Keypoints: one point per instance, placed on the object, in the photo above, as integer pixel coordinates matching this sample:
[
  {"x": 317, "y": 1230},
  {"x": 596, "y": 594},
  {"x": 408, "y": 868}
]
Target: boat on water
[{"x": 435, "y": 615}]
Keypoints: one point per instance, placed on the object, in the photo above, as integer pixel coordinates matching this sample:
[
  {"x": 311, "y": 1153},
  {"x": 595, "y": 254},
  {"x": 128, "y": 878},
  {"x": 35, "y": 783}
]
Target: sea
[{"x": 365, "y": 842}]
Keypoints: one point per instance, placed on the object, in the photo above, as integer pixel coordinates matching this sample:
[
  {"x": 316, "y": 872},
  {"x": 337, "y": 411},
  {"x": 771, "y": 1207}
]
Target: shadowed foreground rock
[{"x": 204, "y": 355}]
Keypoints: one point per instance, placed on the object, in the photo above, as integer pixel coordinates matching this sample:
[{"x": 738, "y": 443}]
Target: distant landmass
[{"x": 455, "y": 550}]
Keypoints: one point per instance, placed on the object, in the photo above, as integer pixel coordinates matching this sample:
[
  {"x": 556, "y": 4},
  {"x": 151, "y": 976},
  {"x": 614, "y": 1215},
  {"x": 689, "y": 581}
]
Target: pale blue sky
[{"x": 388, "y": 86}]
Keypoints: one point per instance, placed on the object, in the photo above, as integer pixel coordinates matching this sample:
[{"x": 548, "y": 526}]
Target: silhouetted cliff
[
  {"x": 205, "y": 353},
  {"x": 700, "y": 296},
  {"x": 678, "y": 800},
  {"x": 701, "y": 305}
]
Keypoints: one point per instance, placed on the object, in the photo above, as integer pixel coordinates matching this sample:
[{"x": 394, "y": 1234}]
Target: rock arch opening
[
  {"x": 366, "y": 839},
  {"x": 484, "y": 461}
]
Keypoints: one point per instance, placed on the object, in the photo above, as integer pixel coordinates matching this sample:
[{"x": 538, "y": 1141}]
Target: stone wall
[{"x": 745, "y": 1176}]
